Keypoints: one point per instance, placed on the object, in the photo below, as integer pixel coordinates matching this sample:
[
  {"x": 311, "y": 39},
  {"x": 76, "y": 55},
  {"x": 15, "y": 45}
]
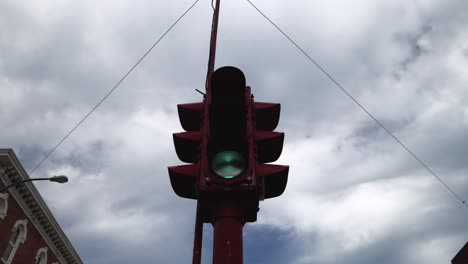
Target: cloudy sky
[{"x": 353, "y": 196}]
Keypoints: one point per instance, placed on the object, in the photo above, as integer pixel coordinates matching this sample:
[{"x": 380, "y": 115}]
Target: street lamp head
[{"x": 59, "y": 179}]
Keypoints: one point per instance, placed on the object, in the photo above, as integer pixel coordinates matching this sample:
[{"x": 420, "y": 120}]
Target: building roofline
[
  {"x": 462, "y": 253},
  {"x": 40, "y": 214}
]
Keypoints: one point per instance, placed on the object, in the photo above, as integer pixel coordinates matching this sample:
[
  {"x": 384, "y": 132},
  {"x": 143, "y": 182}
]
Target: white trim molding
[
  {"x": 21, "y": 224},
  {"x": 3, "y": 205},
  {"x": 41, "y": 256},
  {"x": 17, "y": 237}
]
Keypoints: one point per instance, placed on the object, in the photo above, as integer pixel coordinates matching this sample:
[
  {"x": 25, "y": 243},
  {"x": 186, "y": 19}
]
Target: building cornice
[{"x": 29, "y": 199}]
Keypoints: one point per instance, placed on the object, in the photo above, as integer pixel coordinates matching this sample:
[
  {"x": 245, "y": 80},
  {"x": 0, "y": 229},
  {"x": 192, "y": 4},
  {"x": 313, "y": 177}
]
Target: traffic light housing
[
  {"x": 272, "y": 179},
  {"x": 227, "y": 161},
  {"x": 187, "y": 144},
  {"x": 228, "y": 142}
]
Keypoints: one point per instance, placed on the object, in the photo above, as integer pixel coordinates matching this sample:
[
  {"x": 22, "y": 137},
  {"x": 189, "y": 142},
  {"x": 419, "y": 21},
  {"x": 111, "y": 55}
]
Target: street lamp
[{"x": 59, "y": 179}]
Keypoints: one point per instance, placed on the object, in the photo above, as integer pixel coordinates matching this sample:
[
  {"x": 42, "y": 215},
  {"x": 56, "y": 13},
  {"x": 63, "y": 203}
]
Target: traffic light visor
[{"x": 228, "y": 164}]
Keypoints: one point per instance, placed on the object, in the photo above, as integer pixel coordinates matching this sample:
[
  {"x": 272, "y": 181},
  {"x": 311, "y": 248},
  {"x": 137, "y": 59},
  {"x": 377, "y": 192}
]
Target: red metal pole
[
  {"x": 214, "y": 37},
  {"x": 228, "y": 217},
  {"x": 227, "y": 242},
  {"x": 198, "y": 237}
]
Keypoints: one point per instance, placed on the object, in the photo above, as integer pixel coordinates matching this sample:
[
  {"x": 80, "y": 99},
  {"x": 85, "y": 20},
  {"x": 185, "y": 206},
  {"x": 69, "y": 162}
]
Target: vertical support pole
[
  {"x": 212, "y": 57},
  {"x": 198, "y": 237},
  {"x": 227, "y": 242},
  {"x": 228, "y": 216}
]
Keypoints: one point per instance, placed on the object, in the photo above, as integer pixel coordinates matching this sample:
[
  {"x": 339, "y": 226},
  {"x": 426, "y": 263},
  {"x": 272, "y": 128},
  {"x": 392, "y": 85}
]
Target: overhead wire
[
  {"x": 456, "y": 195},
  {"x": 113, "y": 89}
]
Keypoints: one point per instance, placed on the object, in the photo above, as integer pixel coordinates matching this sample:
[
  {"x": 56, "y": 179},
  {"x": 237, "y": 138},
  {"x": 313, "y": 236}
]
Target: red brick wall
[{"x": 26, "y": 252}]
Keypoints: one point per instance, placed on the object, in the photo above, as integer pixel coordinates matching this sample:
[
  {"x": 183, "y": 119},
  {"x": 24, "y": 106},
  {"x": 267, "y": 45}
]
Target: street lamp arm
[
  {"x": 59, "y": 179},
  {"x": 19, "y": 182}
]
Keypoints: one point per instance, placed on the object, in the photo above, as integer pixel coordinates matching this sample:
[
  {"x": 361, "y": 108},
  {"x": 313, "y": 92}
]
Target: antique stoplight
[
  {"x": 227, "y": 163},
  {"x": 229, "y": 139}
]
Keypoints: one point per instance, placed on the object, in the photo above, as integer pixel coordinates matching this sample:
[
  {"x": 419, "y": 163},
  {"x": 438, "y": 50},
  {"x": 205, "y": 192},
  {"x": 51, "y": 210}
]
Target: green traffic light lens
[{"x": 228, "y": 164}]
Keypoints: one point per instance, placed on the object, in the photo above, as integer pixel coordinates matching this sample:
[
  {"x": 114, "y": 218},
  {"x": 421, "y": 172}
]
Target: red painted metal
[
  {"x": 208, "y": 181},
  {"x": 183, "y": 180},
  {"x": 227, "y": 242},
  {"x": 266, "y": 115},
  {"x": 214, "y": 37},
  {"x": 190, "y": 116},
  {"x": 273, "y": 179},
  {"x": 269, "y": 145},
  {"x": 187, "y": 145},
  {"x": 230, "y": 202},
  {"x": 198, "y": 237}
]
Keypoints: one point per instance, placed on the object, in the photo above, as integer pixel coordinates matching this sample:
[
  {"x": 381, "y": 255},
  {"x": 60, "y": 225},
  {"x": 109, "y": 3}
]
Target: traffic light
[
  {"x": 228, "y": 142},
  {"x": 227, "y": 161}
]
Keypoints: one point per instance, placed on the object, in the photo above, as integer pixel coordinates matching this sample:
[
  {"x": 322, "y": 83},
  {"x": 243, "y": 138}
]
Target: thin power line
[
  {"x": 361, "y": 106},
  {"x": 111, "y": 90}
]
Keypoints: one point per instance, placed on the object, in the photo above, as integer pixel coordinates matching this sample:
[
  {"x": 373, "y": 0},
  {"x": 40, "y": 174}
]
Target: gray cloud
[{"x": 353, "y": 194}]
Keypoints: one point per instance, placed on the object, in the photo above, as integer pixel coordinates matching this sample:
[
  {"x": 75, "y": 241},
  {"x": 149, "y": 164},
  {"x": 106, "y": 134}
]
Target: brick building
[
  {"x": 29, "y": 232},
  {"x": 462, "y": 256}
]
